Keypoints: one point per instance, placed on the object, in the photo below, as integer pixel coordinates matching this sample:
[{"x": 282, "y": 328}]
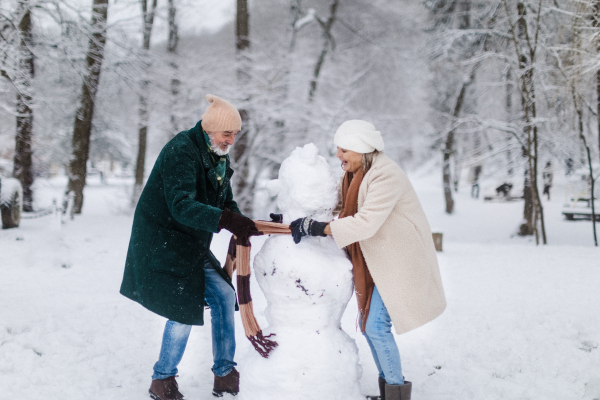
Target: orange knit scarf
[{"x": 363, "y": 281}]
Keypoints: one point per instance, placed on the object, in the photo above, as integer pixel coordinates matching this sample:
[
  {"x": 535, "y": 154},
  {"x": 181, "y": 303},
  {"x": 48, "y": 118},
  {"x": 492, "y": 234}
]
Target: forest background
[{"x": 496, "y": 86}]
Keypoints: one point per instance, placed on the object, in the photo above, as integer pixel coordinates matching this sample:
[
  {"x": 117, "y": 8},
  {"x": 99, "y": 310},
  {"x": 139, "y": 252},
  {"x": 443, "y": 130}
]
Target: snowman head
[{"x": 306, "y": 186}]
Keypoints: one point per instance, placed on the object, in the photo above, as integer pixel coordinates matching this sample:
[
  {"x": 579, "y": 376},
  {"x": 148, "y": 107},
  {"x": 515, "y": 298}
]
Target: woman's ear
[{"x": 273, "y": 187}]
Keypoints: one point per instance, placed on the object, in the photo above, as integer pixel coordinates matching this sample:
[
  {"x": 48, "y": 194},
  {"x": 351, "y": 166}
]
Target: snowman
[{"x": 307, "y": 287}]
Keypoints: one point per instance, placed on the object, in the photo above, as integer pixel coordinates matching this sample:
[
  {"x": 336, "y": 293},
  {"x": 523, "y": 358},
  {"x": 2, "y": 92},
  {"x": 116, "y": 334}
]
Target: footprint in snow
[{"x": 588, "y": 346}]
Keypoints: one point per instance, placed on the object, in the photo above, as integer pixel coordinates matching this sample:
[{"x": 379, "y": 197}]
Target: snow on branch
[{"x": 311, "y": 16}]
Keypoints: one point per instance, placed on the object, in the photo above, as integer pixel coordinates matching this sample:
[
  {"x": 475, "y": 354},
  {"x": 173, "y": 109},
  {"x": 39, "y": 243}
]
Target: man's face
[{"x": 221, "y": 142}]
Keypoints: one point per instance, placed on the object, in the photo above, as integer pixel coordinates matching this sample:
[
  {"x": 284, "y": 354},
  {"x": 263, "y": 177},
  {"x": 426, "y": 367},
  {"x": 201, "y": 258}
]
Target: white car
[
  {"x": 578, "y": 202},
  {"x": 11, "y": 200}
]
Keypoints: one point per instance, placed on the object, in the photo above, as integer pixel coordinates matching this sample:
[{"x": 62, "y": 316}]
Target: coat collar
[{"x": 198, "y": 138}]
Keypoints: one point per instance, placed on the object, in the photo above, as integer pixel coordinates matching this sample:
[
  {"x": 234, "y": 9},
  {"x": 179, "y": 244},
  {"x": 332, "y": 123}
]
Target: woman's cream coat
[{"x": 396, "y": 241}]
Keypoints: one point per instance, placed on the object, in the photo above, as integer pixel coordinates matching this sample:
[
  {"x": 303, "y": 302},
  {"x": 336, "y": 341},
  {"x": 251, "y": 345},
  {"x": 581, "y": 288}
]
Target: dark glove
[
  {"x": 276, "y": 218},
  {"x": 242, "y": 227},
  {"x": 306, "y": 226}
]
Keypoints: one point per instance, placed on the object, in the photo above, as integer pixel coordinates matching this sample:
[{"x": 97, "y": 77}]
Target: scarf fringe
[{"x": 263, "y": 345}]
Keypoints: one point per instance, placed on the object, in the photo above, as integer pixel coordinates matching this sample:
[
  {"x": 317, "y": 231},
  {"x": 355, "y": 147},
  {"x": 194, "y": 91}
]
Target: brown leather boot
[
  {"x": 165, "y": 389},
  {"x": 229, "y": 383},
  {"x": 398, "y": 392},
  {"x": 381, "y": 391}
]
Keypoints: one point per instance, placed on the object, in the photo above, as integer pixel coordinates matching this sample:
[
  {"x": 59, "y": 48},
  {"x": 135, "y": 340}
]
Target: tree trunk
[
  {"x": 23, "y": 168},
  {"x": 243, "y": 186},
  {"x": 82, "y": 129},
  {"x": 450, "y": 140},
  {"x": 148, "y": 19},
  {"x": 593, "y": 185},
  {"x": 175, "y": 82},
  {"x": 142, "y": 141},
  {"x": 526, "y": 229},
  {"x": 596, "y": 24},
  {"x": 533, "y": 211},
  {"x": 589, "y": 162},
  {"x": 295, "y": 13},
  {"x": 509, "y": 138},
  {"x": 327, "y": 43},
  {"x": 242, "y": 41},
  {"x": 598, "y": 105}
]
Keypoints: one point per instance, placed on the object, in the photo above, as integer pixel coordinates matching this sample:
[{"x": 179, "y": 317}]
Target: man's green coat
[{"x": 177, "y": 213}]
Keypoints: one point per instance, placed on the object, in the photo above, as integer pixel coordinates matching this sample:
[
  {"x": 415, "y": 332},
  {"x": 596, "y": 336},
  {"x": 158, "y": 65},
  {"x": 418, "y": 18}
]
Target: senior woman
[{"x": 384, "y": 229}]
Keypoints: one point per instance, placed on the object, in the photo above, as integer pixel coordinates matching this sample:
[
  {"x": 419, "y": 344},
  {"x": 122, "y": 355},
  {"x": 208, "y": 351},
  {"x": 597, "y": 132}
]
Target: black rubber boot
[
  {"x": 398, "y": 392},
  {"x": 382, "y": 388}
]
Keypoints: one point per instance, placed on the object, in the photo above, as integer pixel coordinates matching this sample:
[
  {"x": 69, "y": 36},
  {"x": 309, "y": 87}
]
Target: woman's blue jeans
[
  {"x": 221, "y": 300},
  {"x": 378, "y": 332}
]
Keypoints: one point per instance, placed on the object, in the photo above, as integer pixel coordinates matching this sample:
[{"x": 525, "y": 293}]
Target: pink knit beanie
[{"x": 220, "y": 116}]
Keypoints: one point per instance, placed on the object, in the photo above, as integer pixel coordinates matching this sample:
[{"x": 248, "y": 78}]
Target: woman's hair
[{"x": 367, "y": 160}]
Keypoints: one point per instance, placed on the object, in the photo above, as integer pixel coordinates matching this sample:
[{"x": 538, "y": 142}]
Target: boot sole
[
  {"x": 153, "y": 396},
  {"x": 220, "y": 393}
]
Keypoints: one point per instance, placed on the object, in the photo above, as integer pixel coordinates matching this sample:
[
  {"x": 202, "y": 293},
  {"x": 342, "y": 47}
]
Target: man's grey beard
[{"x": 217, "y": 149}]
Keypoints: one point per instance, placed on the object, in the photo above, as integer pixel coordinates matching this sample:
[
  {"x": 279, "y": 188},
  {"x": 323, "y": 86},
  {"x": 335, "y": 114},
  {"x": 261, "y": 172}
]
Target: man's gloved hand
[
  {"x": 242, "y": 227},
  {"x": 306, "y": 226},
  {"x": 276, "y": 218}
]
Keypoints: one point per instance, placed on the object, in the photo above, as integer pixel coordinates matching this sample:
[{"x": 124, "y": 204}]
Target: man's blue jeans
[
  {"x": 378, "y": 332},
  {"x": 221, "y": 299}
]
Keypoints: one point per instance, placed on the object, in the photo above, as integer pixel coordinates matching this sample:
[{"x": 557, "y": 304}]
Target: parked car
[
  {"x": 578, "y": 202},
  {"x": 11, "y": 200}
]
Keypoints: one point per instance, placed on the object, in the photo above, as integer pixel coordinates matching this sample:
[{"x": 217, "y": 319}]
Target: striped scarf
[{"x": 238, "y": 256}]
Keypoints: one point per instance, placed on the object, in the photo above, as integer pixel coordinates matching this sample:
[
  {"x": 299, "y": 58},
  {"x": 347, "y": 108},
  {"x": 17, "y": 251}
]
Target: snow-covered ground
[{"x": 523, "y": 322}]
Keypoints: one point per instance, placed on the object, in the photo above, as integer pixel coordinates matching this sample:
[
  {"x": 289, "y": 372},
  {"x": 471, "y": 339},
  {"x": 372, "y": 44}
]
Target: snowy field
[{"x": 523, "y": 322}]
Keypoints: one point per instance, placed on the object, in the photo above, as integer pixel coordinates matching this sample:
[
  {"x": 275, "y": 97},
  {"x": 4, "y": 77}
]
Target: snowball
[{"x": 306, "y": 186}]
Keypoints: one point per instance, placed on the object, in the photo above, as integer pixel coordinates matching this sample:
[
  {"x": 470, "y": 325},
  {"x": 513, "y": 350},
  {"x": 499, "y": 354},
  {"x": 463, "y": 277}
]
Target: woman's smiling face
[{"x": 351, "y": 160}]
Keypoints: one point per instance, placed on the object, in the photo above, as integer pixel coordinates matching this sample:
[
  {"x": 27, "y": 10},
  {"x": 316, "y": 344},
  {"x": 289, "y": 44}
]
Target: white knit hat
[{"x": 359, "y": 136}]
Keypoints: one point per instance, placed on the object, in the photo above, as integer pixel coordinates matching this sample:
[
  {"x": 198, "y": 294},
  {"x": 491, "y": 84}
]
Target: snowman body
[{"x": 307, "y": 287}]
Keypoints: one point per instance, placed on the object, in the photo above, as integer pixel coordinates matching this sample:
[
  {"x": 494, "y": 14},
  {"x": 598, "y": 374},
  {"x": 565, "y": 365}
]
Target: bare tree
[
  {"x": 575, "y": 77},
  {"x": 525, "y": 42},
  {"x": 449, "y": 145},
  {"x": 241, "y": 153},
  {"x": 579, "y": 110},
  {"x": 23, "y": 168},
  {"x": 328, "y": 43},
  {"x": 172, "y": 43},
  {"x": 467, "y": 49},
  {"x": 82, "y": 129},
  {"x": 596, "y": 24},
  {"x": 148, "y": 14}
]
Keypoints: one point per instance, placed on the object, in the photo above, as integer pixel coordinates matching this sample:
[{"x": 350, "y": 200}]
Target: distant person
[
  {"x": 547, "y": 176},
  {"x": 170, "y": 269},
  {"x": 570, "y": 166},
  {"x": 475, "y": 174}
]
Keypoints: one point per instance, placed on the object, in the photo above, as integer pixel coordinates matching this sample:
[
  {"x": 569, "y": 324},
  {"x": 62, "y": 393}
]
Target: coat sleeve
[
  {"x": 383, "y": 192},
  {"x": 178, "y": 172},
  {"x": 230, "y": 203}
]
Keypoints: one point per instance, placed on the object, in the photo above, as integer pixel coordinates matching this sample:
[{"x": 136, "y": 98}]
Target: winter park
[{"x": 300, "y": 199}]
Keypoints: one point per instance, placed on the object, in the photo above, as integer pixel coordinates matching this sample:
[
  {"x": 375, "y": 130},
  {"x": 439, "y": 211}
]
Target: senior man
[{"x": 170, "y": 269}]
